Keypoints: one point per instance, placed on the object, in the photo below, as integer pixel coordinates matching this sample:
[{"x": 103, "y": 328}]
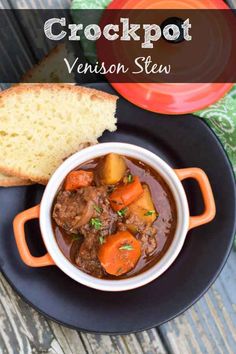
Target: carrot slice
[
  {"x": 78, "y": 179},
  {"x": 120, "y": 253},
  {"x": 125, "y": 195}
]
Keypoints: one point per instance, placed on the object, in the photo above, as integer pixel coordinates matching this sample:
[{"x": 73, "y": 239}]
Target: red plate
[{"x": 171, "y": 98}]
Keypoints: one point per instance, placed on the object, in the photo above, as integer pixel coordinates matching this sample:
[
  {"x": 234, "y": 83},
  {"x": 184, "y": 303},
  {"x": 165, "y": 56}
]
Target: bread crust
[
  {"x": 13, "y": 173},
  {"x": 53, "y": 53},
  {"x": 10, "y": 181}
]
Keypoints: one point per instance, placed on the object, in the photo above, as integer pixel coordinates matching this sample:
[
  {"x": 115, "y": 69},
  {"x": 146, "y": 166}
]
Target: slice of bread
[
  {"x": 51, "y": 69},
  {"x": 9, "y": 181},
  {"x": 43, "y": 124}
]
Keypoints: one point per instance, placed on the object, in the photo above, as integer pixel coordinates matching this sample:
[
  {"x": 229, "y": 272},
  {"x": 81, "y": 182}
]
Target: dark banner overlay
[{"x": 168, "y": 46}]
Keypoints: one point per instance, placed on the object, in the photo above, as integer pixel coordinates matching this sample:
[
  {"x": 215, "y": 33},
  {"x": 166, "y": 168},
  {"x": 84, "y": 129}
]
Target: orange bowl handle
[
  {"x": 19, "y": 232},
  {"x": 207, "y": 194}
]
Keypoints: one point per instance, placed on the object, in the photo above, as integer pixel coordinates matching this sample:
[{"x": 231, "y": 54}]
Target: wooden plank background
[{"x": 208, "y": 327}]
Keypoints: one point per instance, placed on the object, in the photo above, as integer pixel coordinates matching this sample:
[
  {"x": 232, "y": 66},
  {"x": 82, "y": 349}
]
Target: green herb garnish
[
  {"x": 119, "y": 270},
  {"x": 102, "y": 240},
  {"x": 96, "y": 223},
  {"x": 126, "y": 247},
  {"x": 122, "y": 212},
  {"x": 130, "y": 178},
  {"x": 150, "y": 212},
  {"x": 97, "y": 208}
]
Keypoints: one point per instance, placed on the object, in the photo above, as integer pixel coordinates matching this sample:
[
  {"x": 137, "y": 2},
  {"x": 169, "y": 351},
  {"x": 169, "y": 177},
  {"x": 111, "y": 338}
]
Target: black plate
[{"x": 182, "y": 142}]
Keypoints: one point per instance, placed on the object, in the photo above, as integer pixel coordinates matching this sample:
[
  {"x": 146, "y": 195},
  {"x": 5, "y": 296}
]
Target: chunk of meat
[
  {"x": 106, "y": 216},
  {"x": 146, "y": 234},
  {"x": 73, "y": 209},
  {"x": 86, "y": 258}
]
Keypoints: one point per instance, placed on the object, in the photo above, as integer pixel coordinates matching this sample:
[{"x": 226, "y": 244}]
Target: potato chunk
[
  {"x": 112, "y": 169},
  {"x": 144, "y": 207}
]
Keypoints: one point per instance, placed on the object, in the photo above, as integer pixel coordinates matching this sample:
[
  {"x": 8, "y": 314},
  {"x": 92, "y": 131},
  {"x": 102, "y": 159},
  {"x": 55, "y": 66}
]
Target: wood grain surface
[{"x": 208, "y": 327}]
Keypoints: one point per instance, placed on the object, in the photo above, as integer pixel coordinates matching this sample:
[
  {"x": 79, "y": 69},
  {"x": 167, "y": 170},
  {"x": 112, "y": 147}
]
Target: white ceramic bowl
[{"x": 172, "y": 178}]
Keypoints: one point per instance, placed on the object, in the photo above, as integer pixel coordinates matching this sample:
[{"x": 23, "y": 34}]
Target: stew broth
[{"x": 165, "y": 222}]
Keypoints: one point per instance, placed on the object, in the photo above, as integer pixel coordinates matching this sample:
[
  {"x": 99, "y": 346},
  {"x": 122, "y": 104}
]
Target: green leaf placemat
[
  {"x": 89, "y": 4},
  {"x": 89, "y": 48},
  {"x": 221, "y": 117}
]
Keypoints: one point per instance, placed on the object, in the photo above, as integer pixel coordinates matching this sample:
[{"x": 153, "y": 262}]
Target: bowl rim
[{"x": 130, "y": 150}]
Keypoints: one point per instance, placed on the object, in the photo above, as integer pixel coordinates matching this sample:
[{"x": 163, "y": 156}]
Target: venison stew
[{"x": 114, "y": 217}]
